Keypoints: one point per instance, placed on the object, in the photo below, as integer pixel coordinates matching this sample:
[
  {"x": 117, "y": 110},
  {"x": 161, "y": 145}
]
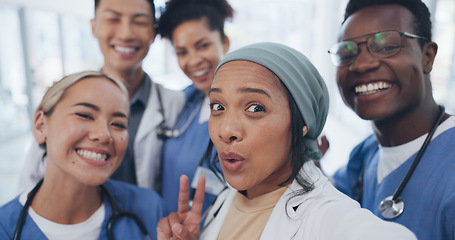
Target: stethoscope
[
  {"x": 393, "y": 206},
  {"x": 164, "y": 131},
  {"x": 117, "y": 213}
]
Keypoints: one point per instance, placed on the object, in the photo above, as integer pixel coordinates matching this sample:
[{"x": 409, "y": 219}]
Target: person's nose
[
  {"x": 364, "y": 61},
  {"x": 194, "y": 59},
  {"x": 230, "y": 129},
  {"x": 125, "y": 31},
  {"x": 100, "y": 133}
]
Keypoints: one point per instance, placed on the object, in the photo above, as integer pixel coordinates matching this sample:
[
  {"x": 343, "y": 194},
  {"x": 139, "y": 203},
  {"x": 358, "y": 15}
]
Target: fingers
[
  {"x": 178, "y": 230},
  {"x": 163, "y": 229},
  {"x": 323, "y": 144},
  {"x": 198, "y": 200},
  {"x": 171, "y": 228},
  {"x": 184, "y": 195},
  {"x": 182, "y": 233}
]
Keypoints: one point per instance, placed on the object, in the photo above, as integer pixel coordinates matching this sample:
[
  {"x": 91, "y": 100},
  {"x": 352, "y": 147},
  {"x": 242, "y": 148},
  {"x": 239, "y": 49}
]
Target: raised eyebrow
[
  {"x": 242, "y": 90},
  {"x": 217, "y": 90},
  {"x": 254, "y": 90}
]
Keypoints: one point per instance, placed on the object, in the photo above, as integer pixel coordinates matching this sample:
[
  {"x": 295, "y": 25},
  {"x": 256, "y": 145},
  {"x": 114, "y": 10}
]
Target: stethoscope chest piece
[{"x": 390, "y": 208}]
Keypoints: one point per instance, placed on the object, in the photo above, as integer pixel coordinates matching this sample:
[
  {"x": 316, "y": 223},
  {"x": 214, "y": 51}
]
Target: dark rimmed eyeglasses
[{"x": 380, "y": 44}]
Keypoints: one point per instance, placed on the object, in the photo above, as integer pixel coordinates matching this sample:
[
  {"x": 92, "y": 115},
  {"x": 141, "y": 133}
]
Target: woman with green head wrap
[{"x": 268, "y": 106}]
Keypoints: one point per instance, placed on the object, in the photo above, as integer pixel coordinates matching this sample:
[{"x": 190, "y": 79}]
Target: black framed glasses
[{"x": 380, "y": 44}]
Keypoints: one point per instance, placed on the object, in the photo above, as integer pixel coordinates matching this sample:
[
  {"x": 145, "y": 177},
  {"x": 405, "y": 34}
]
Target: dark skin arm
[{"x": 323, "y": 146}]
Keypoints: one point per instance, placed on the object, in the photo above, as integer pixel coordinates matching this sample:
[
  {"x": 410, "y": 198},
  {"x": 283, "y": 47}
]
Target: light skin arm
[{"x": 185, "y": 223}]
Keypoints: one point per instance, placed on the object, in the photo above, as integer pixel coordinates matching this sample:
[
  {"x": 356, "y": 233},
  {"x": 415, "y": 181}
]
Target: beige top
[{"x": 247, "y": 218}]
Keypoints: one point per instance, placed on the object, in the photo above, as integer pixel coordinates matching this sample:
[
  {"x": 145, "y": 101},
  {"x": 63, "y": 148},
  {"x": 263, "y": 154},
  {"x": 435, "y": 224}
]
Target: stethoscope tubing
[
  {"x": 117, "y": 213},
  {"x": 393, "y": 206},
  {"x": 419, "y": 155},
  {"x": 24, "y": 211}
]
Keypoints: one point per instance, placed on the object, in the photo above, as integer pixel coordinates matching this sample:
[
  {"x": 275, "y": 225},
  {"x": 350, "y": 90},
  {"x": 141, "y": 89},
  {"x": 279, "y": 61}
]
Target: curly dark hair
[
  {"x": 422, "y": 21},
  {"x": 176, "y": 12}
]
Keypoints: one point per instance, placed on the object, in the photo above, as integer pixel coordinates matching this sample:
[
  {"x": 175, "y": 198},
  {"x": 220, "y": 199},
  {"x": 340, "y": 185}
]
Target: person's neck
[
  {"x": 132, "y": 78},
  {"x": 406, "y": 126},
  {"x": 66, "y": 202}
]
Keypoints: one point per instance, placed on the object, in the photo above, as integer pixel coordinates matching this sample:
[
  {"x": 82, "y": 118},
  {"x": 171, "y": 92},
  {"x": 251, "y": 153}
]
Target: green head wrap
[{"x": 300, "y": 77}]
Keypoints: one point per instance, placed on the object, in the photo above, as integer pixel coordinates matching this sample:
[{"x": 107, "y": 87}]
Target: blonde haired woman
[{"x": 82, "y": 124}]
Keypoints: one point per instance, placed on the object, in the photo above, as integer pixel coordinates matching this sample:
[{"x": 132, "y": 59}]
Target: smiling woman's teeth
[
  {"x": 370, "y": 88},
  {"x": 200, "y": 73},
  {"x": 92, "y": 155},
  {"x": 124, "y": 49}
]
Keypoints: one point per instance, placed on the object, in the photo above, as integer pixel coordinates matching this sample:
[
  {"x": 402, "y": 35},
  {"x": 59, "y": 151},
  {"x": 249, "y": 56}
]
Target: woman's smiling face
[
  {"x": 199, "y": 50},
  {"x": 86, "y": 133},
  {"x": 250, "y": 126}
]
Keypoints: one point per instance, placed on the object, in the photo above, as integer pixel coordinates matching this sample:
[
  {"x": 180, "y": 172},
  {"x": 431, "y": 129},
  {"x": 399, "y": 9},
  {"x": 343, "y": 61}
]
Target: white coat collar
[{"x": 279, "y": 219}]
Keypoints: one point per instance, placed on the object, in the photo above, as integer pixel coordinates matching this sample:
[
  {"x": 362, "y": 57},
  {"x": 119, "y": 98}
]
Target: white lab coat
[
  {"x": 322, "y": 214},
  {"x": 147, "y": 146}
]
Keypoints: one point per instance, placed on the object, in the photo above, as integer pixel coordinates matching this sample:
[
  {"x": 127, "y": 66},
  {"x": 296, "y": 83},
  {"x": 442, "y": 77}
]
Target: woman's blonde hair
[{"x": 55, "y": 93}]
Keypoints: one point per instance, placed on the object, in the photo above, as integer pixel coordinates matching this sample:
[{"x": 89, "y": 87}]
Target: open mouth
[
  {"x": 370, "y": 88},
  {"x": 92, "y": 155}
]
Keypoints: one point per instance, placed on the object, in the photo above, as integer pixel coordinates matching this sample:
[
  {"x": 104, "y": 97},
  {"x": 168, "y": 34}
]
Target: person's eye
[
  {"x": 84, "y": 116},
  {"x": 255, "y": 108},
  {"x": 216, "y": 107},
  {"x": 113, "y": 20},
  {"x": 120, "y": 125},
  {"x": 346, "y": 57},
  {"x": 180, "y": 53},
  {"x": 204, "y": 46},
  {"x": 142, "y": 23},
  {"x": 387, "y": 48}
]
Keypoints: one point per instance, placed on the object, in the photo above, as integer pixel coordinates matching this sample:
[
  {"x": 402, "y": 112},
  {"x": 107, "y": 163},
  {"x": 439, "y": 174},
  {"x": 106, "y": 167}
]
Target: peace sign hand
[{"x": 185, "y": 223}]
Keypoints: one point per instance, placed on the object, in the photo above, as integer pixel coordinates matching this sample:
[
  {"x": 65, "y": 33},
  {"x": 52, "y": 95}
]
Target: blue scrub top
[
  {"x": 183, "y": 154},
  {"x": 145, "y": 203},
  {"x": 429, "y": 195}
]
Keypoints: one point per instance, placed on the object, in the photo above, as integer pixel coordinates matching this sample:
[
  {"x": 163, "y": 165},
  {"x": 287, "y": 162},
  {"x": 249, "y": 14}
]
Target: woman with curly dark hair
[{"x": 196, "y": 30}]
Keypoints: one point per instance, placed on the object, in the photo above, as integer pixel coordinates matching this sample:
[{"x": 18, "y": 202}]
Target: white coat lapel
[
  {"x": 213, "y": 225},
  {"x": 282, "y": 225},
  {"x": 151, "y": 117}
]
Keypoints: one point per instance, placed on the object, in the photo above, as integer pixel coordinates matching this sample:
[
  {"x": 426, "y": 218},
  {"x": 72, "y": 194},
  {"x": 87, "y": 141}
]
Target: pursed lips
[{"x": 231, "y": 157}]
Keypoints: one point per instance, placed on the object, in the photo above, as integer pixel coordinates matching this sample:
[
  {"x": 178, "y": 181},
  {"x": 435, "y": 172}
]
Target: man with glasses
[{"x": 384, "y": 57}]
